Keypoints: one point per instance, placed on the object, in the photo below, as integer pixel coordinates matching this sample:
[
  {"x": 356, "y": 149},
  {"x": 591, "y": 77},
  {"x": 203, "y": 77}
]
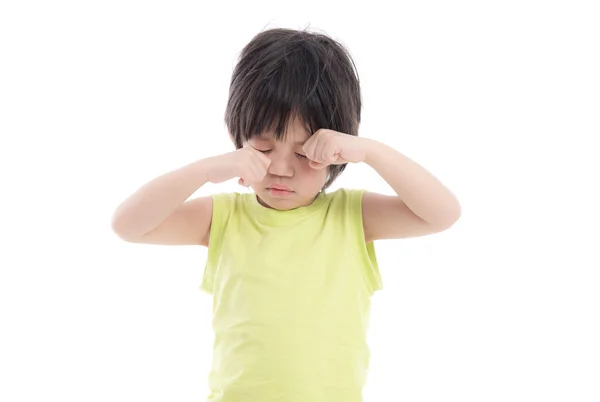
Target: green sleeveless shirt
[{"x": 291, "y": 299}]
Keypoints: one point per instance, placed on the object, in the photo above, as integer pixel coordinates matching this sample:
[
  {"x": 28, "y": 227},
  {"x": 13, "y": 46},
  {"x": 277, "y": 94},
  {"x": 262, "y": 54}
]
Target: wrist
[
  {"x": 201, "y": 169},
  {"x": 216, "y": 169},
  {"x": 371, "y": 148}
]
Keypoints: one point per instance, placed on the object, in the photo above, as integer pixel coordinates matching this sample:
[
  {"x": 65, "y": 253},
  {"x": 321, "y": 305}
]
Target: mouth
[
  {"x": 279, "y": 187},
  {"x": 279, "y": 190}
]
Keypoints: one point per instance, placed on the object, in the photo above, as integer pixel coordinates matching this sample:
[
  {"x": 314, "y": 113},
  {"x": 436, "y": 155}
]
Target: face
[{"x": 290, "y": 182}]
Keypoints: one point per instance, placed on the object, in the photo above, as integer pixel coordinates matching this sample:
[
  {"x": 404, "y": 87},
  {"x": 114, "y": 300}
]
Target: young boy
[{"x": 291, "y": 267}]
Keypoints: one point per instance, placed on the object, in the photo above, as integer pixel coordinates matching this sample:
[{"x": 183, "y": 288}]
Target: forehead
[{"x": 296, "y": 133}]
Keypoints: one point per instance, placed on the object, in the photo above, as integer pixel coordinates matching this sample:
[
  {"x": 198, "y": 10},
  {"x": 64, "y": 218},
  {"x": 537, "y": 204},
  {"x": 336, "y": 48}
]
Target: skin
[
  {"x": 300, "y": 162},
  {"x": 161, "y": 211},
  {"x": 289, "y": 167}
]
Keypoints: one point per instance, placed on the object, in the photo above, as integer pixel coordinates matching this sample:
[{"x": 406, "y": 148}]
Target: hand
[
  {"x": 248, "y": 164},
  {"x": 328, "y": 147}
]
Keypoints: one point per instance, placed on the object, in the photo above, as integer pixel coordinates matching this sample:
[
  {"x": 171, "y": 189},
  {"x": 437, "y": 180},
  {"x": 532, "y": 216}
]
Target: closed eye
[{"x": 266, "y": 151}]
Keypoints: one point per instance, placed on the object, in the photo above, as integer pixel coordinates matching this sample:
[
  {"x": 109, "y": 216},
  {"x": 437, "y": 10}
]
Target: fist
[
  {"x": 248, "y": 164},
  {"x": 328, "y": 147}
]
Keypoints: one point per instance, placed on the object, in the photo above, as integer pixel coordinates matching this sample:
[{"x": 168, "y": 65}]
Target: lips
[{"x": 280, "y": 187}]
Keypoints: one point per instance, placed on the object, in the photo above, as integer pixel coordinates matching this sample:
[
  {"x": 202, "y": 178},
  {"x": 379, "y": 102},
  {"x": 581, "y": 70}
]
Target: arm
[
  {"x": 158, "y": 213},
  {"x": 423, "y": 205}
]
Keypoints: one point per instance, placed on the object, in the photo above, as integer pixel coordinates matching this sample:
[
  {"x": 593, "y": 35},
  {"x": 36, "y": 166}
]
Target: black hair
[{"x": 285, "y": 73}]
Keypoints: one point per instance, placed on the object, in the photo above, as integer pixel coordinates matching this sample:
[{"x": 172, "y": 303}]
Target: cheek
[{"x": 313, "y": 178}]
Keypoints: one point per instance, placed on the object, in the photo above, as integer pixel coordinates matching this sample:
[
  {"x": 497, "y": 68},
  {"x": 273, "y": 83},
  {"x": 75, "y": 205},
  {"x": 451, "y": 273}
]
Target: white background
[{"x": 500, "y": 100}]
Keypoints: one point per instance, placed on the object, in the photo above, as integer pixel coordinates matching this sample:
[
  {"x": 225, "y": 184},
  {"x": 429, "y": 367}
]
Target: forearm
[
  {"x": 156, "y": 200},
  {"x": 423, "y": 193}
]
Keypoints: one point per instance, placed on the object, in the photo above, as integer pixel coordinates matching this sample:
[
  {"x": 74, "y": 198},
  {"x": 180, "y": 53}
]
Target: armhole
[
  {"x": 367, "y": 251},
  {"x": 215, "y": 240}
]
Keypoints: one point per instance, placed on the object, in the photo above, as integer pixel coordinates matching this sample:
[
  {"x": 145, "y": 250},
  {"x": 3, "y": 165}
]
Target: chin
[{"x": 279, "y": 203}]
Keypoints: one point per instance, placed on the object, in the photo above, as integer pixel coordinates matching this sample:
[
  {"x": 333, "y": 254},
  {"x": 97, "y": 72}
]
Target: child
[{"x": 290, "y": 266}]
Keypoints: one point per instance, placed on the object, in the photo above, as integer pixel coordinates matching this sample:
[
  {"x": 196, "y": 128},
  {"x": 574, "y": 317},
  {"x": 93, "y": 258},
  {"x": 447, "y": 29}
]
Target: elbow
[
  {"x": 121, "y": 228},
  {"x": 447, "y": 217},
  {"x": 450, "y": 216},
  {"x": 118, "y": 229}
]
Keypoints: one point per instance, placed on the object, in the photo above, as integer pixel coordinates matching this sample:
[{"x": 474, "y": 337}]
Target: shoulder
[
  {"x": 230, "y": 201},
  {"x": 224, "y": 206},
  {"x": 228, "y": 204},
  {"x": 346, "y": 196},
  {"x": 347, "y": 203}
]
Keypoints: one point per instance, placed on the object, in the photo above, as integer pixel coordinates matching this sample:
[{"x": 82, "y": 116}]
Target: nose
[{"x": 281, "y": 166}]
